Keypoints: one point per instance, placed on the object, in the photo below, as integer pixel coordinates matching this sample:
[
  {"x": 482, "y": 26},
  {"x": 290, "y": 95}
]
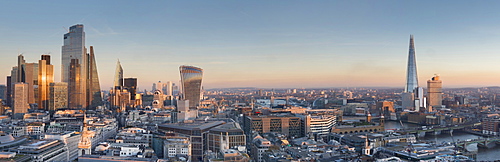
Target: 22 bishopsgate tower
[{"x": 79, "y": 70}]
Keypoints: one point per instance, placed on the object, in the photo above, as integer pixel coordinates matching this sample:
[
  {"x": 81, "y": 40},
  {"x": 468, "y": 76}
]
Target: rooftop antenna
[{"x": 65, "y": 29}]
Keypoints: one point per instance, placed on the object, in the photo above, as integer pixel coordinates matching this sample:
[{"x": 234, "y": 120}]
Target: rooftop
[{"x": 199, "y": 125}]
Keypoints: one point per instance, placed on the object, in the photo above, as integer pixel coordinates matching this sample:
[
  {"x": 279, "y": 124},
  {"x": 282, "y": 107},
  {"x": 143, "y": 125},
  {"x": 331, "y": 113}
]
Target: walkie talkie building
[{"x": 191, "y": 84}]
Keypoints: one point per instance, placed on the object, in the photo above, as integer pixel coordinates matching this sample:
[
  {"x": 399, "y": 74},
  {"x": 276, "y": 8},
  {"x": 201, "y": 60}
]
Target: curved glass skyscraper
[{"x": 191, "y": 84}]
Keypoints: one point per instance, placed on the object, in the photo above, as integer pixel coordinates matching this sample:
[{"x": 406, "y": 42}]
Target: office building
[
  {"x": 3, "y": 92},
  {"x": 20, "y": 98},
  {"x": 45, "y": 78},
  {"x": 84, "y": 91},
  {"x": 93, "y": 91},
  {"x": 118, "y": 79},
  {"x": 226, "y": 136},
  {"x": 117, "y": 86},
  {"x": 279, "y": 123},
  {"x": 175, "y": 146},
  {"x": 75, "y": 94},
  {"x": 196, "y": 131},
  {"x": 30, "y": 77},
  {"x": 191, "y": 78},
  {"x": 70, "y": 140},
  {"x": 131, "y": 85},
  {"x": 73, "y": 48},
  {"x": 169, "y": 89},
  {"x": 318, "y": 124},
  {"x": 183, "y": 112},
  {"x": 8, "y": 91},
  {"x": 434, "y": 92},
  {"x": 58, "y": 96},
  {"x": 74, "y": 68},
  {"x": 43, "y": 150}
]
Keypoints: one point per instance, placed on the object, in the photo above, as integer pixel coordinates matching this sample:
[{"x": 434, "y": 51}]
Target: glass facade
[
  {"x": 411, "y": 73},
  {"x": 73, "y": 48},
  {"x": 191, "y": 84}
]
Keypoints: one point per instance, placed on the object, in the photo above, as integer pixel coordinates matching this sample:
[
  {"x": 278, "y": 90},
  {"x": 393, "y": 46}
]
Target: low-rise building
[
  {"x": 175, "y": 146},
  {"x": 43, "y": 150}
]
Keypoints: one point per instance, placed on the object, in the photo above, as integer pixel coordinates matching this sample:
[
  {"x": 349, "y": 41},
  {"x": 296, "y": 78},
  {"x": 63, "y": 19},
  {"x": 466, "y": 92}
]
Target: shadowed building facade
[
  {"x": 191, "y": 78},
  {"x": 74, "y": 91},
  {"x": 131, "y": 85},
  {"x": 93, "y": 93}
]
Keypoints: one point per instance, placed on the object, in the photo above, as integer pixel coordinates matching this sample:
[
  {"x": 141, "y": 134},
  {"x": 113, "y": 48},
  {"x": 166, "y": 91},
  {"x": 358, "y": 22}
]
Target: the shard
[{"x": 411, "y": 72}]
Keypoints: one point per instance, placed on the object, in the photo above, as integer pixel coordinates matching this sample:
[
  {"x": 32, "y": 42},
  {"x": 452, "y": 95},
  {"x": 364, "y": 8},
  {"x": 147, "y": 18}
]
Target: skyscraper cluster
[
  {"x": 32, "y": 85},
  {"x": 124, "y": 94},
  {"x": 29, "y": 85},
  {"x": 79, "y": 70},
  {"x": 413, "y": 96}
]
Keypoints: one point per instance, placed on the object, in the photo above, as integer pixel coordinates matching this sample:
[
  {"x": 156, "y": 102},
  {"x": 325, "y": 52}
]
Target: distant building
[
  {"x": 73, "y": 48},
  {"x": 158, "y": 99},
  {"x": 75, "y": 94},
  {"x": 3, "y": 92},
  {"x": 20, "y": 98},
  {"x": 9, "y": 91},
  {"x": 491, "y": 125},
  {"x": 131, "y": 85},
  {"x": 45, "y": 78},
  {"x": 434, "y": 92},
  {"x": 58, "y": 96},
  {"x": 175, "y": 146},
  {"x": 411, "y": 72},
  {"x": 321, "y": 124},
  {"x": 231, "y": 155},
  {"x": 43, "y": 150},
  {"x": 191, "y": 78},
  {"x": 30, "y": 72},
  {"x": 70, "y": 139},
  {"x": 280, "y": 123},
  {"x": 227, "y": 136},
  {"x": 258, "y": 147},
  {"x": 196, "y": 132},
  {"x": 93, "y": 90}
]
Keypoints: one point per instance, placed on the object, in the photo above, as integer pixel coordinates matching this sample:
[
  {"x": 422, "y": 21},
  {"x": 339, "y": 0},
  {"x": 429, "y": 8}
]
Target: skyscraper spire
[{"x": 411, "y": 72}]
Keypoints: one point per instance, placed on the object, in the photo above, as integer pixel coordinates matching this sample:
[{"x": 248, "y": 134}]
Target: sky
[{"x": 266, "y": 44}]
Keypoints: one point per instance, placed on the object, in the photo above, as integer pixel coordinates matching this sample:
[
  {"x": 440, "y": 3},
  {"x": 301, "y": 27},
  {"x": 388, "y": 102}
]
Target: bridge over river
[
  {"x": 420, "y": 132},
  {"x": 472, "y": 144}
]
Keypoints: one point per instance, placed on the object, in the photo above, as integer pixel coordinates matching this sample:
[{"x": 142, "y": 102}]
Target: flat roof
[{"x": 201, "y": 125}]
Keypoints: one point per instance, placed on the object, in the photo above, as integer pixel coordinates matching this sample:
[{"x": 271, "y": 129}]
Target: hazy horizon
[{"x": 268, "y": 44}]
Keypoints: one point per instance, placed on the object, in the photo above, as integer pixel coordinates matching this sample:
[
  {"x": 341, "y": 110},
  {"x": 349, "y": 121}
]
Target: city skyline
[{"x": 239, "y": 44}]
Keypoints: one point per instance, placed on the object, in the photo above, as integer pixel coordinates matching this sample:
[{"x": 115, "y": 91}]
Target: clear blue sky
[{"x": 270, "y": 44}]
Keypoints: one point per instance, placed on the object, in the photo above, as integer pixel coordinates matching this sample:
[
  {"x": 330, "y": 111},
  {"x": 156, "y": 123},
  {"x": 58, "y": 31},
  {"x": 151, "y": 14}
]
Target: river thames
[{"x": 482, "y": 155}]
